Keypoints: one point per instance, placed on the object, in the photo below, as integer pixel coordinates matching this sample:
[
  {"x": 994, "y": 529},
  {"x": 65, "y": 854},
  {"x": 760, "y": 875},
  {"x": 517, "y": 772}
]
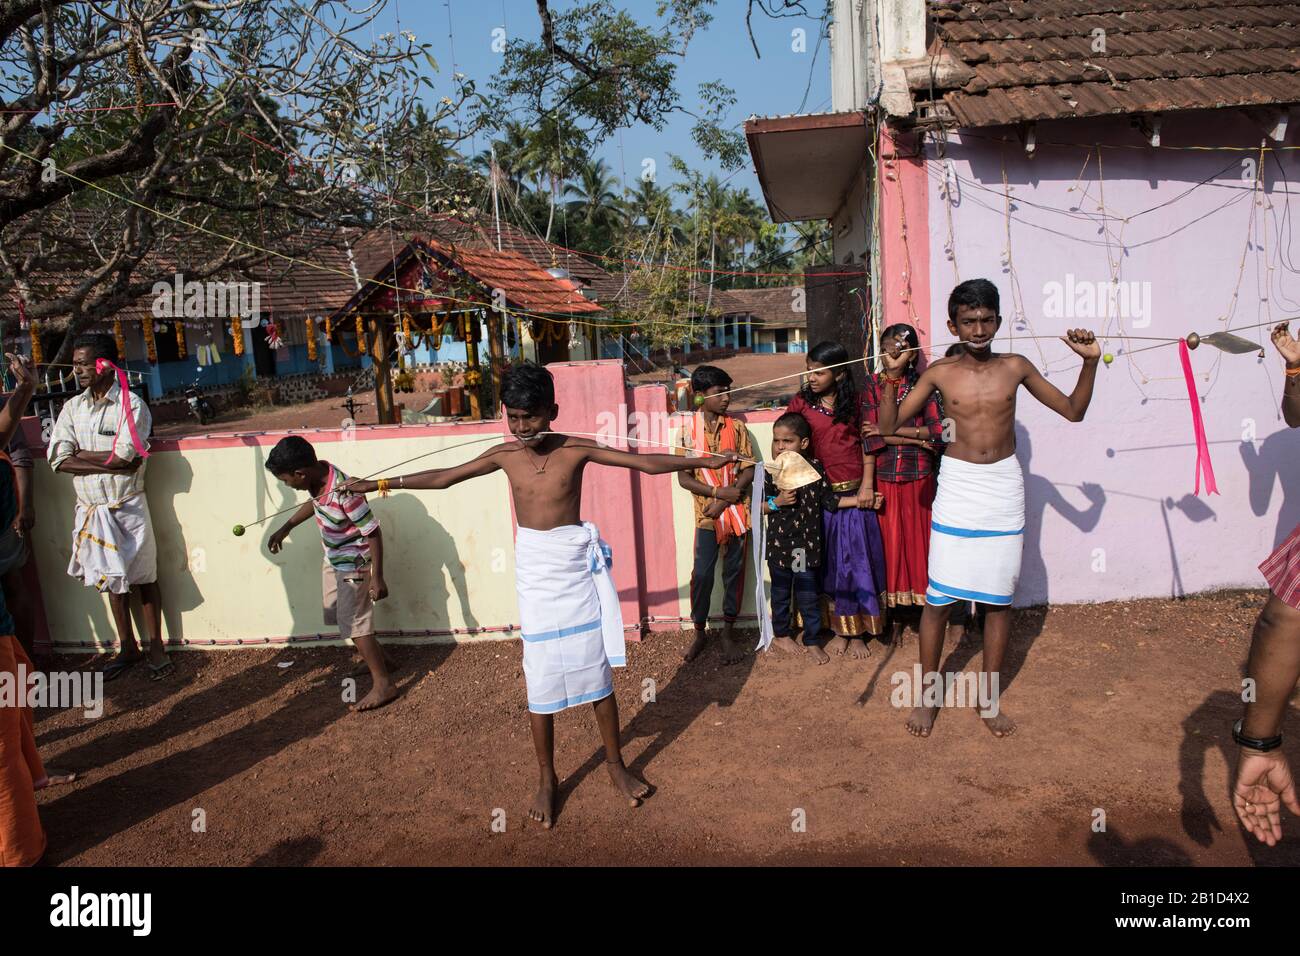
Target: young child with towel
[
  {"x": 793, "y": 545},
  {"x": 978, "y": 519},
  {"x": 853, "y": 565},
  {"x": 568, "y": 607}
]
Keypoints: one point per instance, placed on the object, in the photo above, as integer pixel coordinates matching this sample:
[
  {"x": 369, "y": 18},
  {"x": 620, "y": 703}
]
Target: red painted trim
[{"x": 904, "y": 233}]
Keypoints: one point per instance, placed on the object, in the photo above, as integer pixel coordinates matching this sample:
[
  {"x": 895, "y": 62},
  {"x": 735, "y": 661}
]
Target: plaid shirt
[
  {"x": 899, "y": 463},
  {"x": 88, "y": 425}
]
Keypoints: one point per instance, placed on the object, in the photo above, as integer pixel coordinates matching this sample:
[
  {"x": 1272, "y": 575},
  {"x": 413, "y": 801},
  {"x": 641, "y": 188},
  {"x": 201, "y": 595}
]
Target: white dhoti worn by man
[
  {"x": 977, "y": 532},
  {"x": 570, "y": 616},
  {"x": 113, "y": 546}
]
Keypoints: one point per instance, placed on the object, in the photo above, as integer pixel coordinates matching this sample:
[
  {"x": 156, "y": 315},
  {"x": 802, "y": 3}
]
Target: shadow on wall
[
  {"x": 1040, "y": 494},
  {"x": 1273, "y": 464}
]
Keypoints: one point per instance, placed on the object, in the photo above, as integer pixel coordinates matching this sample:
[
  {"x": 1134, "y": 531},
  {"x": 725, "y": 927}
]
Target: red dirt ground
[{"x": 1124, "y": 707}]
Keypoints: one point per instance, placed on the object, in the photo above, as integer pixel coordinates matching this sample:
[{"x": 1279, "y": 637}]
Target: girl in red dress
[
  {"x": 853, "y": 565},
  {"x": 905, "y": 473}
]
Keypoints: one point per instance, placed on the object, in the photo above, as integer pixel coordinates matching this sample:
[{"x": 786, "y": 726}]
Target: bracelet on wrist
[
  {"x": 772, "y": 505},
  {"x": 1262, "y": 744}
]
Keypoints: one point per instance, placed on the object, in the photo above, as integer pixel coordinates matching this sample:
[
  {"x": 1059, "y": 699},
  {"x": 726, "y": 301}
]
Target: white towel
[
  {"x": 569, "y": 614},
  {"x": 757, "y": 520},
  {"x": 113, "y": 547},
  {"x": 977, "y": 532}
]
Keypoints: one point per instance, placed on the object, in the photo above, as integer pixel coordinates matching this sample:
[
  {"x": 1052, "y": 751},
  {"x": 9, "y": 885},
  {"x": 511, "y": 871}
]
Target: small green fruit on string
[
  {"x": 699, "y": 400},
  {"x": 239, "y": 530},
  {"x": 1108, "y": 358}
]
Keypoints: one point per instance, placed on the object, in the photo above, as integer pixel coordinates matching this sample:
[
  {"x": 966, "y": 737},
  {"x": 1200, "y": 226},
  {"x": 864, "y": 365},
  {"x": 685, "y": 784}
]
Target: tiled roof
[
  {"x": 775, "y": 307},
  {"x": 1042, "y": 59},
  {"x": 526, "y": 285}
]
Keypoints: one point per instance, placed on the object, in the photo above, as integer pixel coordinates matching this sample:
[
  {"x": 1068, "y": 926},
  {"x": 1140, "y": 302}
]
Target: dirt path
[{"x": 1122, "y": 707}]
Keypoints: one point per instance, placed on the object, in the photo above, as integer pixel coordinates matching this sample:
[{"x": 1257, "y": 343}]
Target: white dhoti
[
  {"x": 113, "y": 547},
  {"x": 977, "y": 532},
  {"x": 570, "y": 616}
]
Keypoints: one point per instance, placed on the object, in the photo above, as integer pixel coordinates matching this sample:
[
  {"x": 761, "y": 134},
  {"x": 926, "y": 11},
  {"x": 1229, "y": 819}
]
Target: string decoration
[
  {"x": 310, "y": 326},
  {"x": 237, "y": 333}
]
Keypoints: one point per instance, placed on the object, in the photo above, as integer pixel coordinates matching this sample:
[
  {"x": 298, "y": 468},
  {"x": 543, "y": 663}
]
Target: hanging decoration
[
  {"x": 135, "y": 66},
  {"x": 361, "y": 335},
  {"x": 23, "y": 321},
  {"x": 407, "y": 329},
  {"x": 237, "y": 333},
  {"x": 150, "y": 346},
  {"x": 310, "y": 326},
  {"x": 273, "y": 339},
  {"x": 119, "y": 336},
  {"x": 38, "y": 356},
  {"x": 180, "y": 339}
]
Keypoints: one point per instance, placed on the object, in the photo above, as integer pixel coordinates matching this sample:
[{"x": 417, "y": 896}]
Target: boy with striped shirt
[{"x": 352, "y": 578}]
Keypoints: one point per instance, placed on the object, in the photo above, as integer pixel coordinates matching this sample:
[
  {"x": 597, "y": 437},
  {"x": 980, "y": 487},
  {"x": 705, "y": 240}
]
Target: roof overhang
[{"x": 806, "y": 164}]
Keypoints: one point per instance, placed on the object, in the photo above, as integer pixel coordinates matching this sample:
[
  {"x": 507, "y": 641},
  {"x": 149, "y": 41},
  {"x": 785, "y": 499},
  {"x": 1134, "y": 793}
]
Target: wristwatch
[
  {"x": 771, "y": 503},
  {"x": 1255, "y": 743}
]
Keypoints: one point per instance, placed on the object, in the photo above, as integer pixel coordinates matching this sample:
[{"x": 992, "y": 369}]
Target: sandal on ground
[{"x": 159, "y": 671}]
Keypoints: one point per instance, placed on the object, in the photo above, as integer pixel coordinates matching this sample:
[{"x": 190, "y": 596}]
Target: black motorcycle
[{"x": 200, "y": 407}]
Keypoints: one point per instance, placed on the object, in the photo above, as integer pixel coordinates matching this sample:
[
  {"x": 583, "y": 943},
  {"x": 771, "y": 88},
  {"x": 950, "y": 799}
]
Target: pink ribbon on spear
[
  {"x": 126, "y": 416},
  {"x": 1198, "y": 425}
]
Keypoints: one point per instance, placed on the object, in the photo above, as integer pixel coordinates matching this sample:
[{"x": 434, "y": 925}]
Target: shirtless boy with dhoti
[
  {"x": 568, "y": 607},
  {"x": 978, "y": 519}
]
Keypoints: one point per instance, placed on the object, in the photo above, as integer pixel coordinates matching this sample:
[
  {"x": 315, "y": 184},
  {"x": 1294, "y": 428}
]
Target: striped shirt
[
  {"x": 346, "y": 524},
  {"x": 88, "y": 425}
]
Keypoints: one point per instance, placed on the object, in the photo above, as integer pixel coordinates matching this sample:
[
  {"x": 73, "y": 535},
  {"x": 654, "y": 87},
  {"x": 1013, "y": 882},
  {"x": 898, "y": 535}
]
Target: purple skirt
[{"x": 853, "y": 572}]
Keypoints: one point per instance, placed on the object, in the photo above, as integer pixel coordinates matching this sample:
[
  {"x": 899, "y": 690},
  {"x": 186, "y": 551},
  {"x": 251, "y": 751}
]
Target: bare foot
[
  {"x": 379, "y": 695},
  {"x": 921, "y": 720},
  {"x": 1000, "y": 725},
  {"x": 860, "y": 648},
  {"x": 360, "y": 668},
  {"x": 697, "y": 646},
  {"x": 837, "y": 644},
  {"x": 733, "y": 652},
  {"x": 627, "y": 783},
  {"x": 819, "y": 655},
  {"x": 54, "y": 778},
  {"x": 786, "y": 645},
  {"x": 543, "y": 809}
]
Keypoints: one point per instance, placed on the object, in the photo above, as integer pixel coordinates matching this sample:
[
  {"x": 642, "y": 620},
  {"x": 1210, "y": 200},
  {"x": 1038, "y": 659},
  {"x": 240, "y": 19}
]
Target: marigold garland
[
  {"x": 150, "y": 345},
  {"x": 311, "y": 339},
  {"x": 180, "y": 339},
  {"x": 38, "y": 356},
  {"x": 361, "y": 335},
  {"x": 119, "y": 336},
  {"x": 237, "y": 333}
]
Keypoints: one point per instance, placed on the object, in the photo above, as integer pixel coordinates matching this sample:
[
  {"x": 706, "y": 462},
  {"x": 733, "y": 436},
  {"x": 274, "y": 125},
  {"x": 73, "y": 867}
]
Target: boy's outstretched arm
[
  {"x": 654, "y": 464},
  {"x": 435, "y": 478},
  {"x": 276, "y": 540},
  {"x": 1072, "y": 407}
]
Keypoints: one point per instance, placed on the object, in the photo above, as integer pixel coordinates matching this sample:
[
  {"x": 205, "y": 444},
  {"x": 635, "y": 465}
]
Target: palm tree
[
  {"x": 555, "y": 149},
  {"x": 595, "y": 206}
]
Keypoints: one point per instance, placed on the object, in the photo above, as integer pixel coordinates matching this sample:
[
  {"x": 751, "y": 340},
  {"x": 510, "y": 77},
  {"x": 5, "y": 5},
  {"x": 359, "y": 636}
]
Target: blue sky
[{"x": 460, "y": 35}]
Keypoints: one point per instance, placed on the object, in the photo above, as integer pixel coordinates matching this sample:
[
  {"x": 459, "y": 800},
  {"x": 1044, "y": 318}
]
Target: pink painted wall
[
  {"x": 1111, "y": 514},
  {"x": 904, "y": 234}
]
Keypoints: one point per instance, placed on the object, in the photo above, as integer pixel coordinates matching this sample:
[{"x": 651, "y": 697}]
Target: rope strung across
[{"x": 239, "y": 529}]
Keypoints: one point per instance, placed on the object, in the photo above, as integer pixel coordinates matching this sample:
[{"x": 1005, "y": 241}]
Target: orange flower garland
[
  {"x": 311, "y": 339},
  {"x": 38, "y": 356},
  {"x": 150, "y": 346},
  {"x": 119, "y": 335},
  {"x": 361, "y": 335},
  {"x": 237, "y": 332},
  {"x": 180, "y": 338}
]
